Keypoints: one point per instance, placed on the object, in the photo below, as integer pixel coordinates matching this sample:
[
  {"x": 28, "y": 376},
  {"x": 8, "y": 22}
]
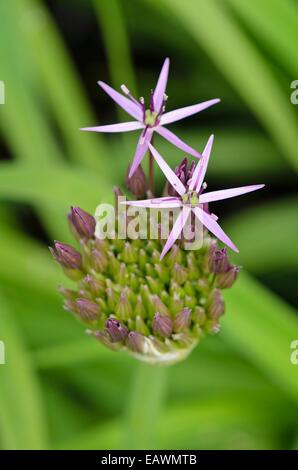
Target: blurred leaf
[
  {"x": 261, "y": 327},
  {"x": 252, "y": 231},
  {"x": 226, "y": 421},
  {"x": 22, "y": 416},
  {"x": 269, "y": 19},
  {"x": 60, "y": 185},
  {"x": 115, "y": 37},
  {"x": 243, "y": 65},
  {"x": 61, "y": 87},
  {"x": 69, "y": 353},
  {"x": 26, "y": 263}
]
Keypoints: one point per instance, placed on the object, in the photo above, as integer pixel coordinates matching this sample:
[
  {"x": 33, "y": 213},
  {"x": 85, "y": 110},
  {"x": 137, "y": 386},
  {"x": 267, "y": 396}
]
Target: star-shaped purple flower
[
  {"x": 191, "y": 198},
  {"x": 150, "y": 119}
]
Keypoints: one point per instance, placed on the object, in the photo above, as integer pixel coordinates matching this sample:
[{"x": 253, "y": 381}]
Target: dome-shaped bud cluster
[{"x": 130, "y": 300}]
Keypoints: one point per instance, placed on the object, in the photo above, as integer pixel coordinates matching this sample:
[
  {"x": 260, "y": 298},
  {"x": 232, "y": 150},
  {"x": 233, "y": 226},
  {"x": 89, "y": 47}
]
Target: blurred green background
[{"x": 59, "y": 389}]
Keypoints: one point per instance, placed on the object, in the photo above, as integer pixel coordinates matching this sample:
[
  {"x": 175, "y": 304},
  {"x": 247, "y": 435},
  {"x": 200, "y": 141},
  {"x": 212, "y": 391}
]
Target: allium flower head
[
  {"x": 150, "y": 116},
  {"x": 151, "y": 297}
]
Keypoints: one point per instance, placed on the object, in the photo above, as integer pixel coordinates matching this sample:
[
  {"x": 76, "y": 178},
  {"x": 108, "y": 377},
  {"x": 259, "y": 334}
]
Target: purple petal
[
  {"x": 168, "y": 172},
  {"x": 129, "y": 106},
  {"x": 121, "y": 127},
  {"x": 171, "y": 137},
  {"x": 141, "y": 149},
  {"x": 182, "y": 113},
  {"x": 161, "y": 85},
  {"x": 201, "y": 168},
  {"x": 213, "y": 227},
  {"x": 226, "y": 193},
  {"x": 157, "y": 203},
  {"x": 176, "y": 230}
]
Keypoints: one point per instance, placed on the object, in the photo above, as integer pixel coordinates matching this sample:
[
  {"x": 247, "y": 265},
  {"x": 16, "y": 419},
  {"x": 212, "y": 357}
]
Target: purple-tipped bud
[
  {"x": 218, "y": 260},
  {"x": 162, "y": 325},
  {"x": 82, "y": 223},
  {"x": 88, "y": 310},
  {"x": 227, "y": 279},
  {"x": 182, "y": 320},
  {"x": 66, "y": 256},
  {"x": 137, "y": 184},
  {"x": 217, "y": 306},
  {"x": 135, "y": 341},
  {"x": 117, "y": 330},
  {"x": 104, "y": 337}
]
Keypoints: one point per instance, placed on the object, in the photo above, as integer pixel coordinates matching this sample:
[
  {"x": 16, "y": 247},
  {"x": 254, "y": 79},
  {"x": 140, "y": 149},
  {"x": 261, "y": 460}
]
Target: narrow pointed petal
[
  {"x": 161, "y": 85},
  {"x": 200, "y": 171},
  {"x": 141, "y": 149},
  {"x": 177, "y": 114},
  {"x": 211, "y": 224},
  {"x": 177, "y": 229},
  {"x": 129, "y": 106},
  {"x": 157, "y": 203},
  {"x": 227, "y": 193},
  {"x": 168, "y": 172},
  {"x": 121, "y": 127},
  {"x": 171, "y": 137}
]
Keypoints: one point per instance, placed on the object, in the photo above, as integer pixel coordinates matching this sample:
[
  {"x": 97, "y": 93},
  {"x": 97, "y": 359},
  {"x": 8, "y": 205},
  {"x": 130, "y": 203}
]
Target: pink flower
[
  {"x": 191, "y": 198},
  {"x": 152, "y": 119}
]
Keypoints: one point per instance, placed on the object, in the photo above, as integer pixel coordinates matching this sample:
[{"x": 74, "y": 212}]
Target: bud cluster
[{"x": 130, "y": 300}]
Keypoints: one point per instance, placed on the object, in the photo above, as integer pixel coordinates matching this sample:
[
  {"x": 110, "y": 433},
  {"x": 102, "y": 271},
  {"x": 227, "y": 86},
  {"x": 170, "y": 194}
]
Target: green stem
[{"x": 144, "y": 407}]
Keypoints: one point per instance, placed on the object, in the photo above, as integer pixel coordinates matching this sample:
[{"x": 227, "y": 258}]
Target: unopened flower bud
[
  {"x": 227, "y": 279},
  {"x": 95, "y": 286},
  {"x": 179, "y": 273},
  {"x": 199, "y": 316},
  {"x": 104, "y": 338},
  {"x": 117, "y": 330},
  {"x": 135, "y": 341},
  {"x": 124, "y": 309},
  {"x": 66, "y": 256},
  {"x": 68, "y": 294},
  {"x": 88, "y": 310},
  {"x": 98, "y": 260},
  {"x": 162, "y": 325},
  {"x": 182, "y": 320},
  {"x": 137, "y": 184},
  {"x": 218, "y": 261},
  {"x": 217, "y": 306},
  {"x": 82, "y": 223}
]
